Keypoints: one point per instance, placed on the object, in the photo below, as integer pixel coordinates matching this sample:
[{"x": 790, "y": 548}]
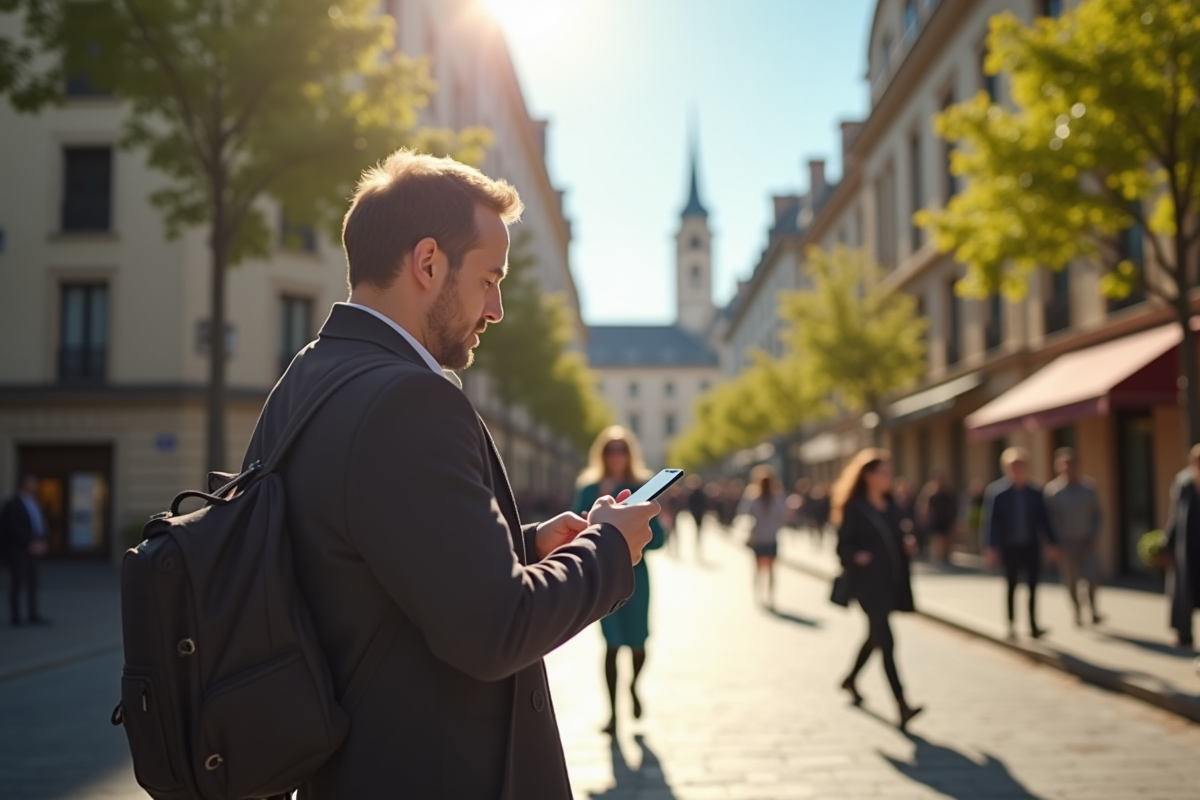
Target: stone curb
[
  {"x": 1107, "y": 679},
  {"x": 61, "y": 658}
]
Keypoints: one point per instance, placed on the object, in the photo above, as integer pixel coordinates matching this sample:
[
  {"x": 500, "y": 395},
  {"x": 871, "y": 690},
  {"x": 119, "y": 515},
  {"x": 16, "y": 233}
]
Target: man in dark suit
[
  {"x": 23, "y": 543},
  {"x": 1015, "y": 525},
  {"x": 400, "y": 509}
]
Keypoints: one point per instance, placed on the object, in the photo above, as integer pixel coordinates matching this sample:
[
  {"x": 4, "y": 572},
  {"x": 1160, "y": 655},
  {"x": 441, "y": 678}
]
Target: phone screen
[{"x": 655, "y": 486}]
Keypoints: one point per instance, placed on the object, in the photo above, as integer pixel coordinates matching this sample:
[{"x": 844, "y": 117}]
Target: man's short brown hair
[{"x": 412, "y": 196}]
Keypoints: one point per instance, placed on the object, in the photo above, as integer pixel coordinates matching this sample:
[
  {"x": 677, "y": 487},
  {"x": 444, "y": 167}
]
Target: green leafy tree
[
  {"x": 1104, "y": 135},
  {"x": 234, "y": 101},
  {"x": 858, "y": 340},
  {"x": 529, "y": 361}
]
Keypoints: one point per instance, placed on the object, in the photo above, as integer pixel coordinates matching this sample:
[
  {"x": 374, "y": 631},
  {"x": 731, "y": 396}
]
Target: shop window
[
  {"x": 87, "y": 189},
  {"x": 295, "y": 328},
  {"x": 83, "y": 333}
]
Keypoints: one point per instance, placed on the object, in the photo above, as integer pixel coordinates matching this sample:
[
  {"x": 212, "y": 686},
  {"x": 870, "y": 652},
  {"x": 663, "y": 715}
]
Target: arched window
[
  {"x": 695, "y": 274},
  {"x": 695, "y": 243}
]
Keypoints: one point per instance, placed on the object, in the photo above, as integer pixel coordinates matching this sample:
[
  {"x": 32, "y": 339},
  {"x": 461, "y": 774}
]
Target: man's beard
[{"x": 449, "y": 336}]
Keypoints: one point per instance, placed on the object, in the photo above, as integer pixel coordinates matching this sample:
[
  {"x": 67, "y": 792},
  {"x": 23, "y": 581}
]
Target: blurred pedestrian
[
  {"x": 1075, "y": 515},
  {"x": 906, "y": 504},
  {"x": 937, "y": 512},
  {"x": 875, "y": 553},
  {"x": 23, "y": 542},
  {"x": 1015, "y": 526},
  {"x": 971, "y": 514},
  {"x": 697, "y": 504},
  {"x": 819, "y": 509},
  {"x": 763, "y": 501},
  {"x": 1182, "y": 553},
  {"x": 615, "y": 464},
  {"x": 799, "y": 502}
]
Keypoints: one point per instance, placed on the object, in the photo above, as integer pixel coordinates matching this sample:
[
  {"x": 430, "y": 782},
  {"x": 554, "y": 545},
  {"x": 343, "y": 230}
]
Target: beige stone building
[
  {"x": 103, "y": 319},
  {"x": 652, "y": 375},
  {"x": 1061, "y": 367}
]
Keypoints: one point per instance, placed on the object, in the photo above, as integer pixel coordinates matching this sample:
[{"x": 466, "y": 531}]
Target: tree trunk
[
  {"x": 1189, "y": 371},
  {"x": 218, "y": 244}
]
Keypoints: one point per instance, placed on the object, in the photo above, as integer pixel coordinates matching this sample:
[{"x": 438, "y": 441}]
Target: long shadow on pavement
[
  {"x": 948, "y": 771},
  {"x": 647, "y": 782},
  {"x": 1157, "y": 647},
  {"x": 790, "y": 617}
]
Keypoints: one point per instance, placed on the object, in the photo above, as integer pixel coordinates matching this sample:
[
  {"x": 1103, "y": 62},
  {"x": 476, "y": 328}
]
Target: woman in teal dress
[{"x": 614, "y": 464}]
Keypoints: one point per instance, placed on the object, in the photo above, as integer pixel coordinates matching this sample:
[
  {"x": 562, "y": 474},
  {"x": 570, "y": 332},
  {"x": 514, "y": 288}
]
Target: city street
[{"x": 740, "y": 703}]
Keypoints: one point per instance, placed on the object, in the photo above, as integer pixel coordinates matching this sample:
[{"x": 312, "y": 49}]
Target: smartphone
[{"x": 655, "y": 486}]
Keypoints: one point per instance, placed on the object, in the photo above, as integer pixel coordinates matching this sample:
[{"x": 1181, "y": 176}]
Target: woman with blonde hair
[
  {"x": 874, "y": 550},
  {"x": 615, "y": 464},
  {"x": 764, "y": 502}
]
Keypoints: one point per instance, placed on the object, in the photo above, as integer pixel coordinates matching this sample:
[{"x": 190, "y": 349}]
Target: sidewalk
[
  {"x": 1130, "y": 652},
  {"x": 83, "y": 603}
]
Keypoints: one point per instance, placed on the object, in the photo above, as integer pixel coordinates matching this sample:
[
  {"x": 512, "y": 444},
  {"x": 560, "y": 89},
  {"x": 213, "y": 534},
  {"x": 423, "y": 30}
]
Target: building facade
[
  {"x": 1062, "y": 366},
  {"x": 652, "y": 375},
  {"x": 103, "y": 318}
]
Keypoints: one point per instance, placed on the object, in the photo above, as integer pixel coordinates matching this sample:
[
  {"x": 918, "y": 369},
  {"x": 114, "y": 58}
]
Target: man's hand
[
  {"x": 632, "y": 521},
  {"x": 993, "y": 558},
  {"x": 862, "y": 558},
  {"x": 554, "y": 533},
  {"x": 1052, "y": 553}
]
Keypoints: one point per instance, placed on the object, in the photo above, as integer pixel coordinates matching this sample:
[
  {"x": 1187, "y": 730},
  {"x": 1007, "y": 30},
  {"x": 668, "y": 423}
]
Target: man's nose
[{"x": 493, "y": 310}]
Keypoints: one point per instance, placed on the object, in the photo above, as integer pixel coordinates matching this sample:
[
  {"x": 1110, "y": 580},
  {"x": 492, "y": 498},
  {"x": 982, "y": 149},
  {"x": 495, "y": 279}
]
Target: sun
[{"x": 531, "y": 21}]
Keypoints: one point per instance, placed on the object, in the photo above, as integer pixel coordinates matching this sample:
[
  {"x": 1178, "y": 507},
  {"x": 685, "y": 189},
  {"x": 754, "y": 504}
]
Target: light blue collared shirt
[
  {"x": 35, "y": 515},
  {"x": 408, "y": 337}
]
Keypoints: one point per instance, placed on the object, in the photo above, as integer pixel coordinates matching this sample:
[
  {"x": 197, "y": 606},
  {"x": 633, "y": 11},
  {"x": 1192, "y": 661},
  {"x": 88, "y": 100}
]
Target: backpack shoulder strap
[{"x": 298, "y": 422}]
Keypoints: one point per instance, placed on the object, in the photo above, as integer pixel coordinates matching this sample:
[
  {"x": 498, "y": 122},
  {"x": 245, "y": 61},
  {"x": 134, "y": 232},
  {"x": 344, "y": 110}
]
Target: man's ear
[{"x": 424, "y": 259}]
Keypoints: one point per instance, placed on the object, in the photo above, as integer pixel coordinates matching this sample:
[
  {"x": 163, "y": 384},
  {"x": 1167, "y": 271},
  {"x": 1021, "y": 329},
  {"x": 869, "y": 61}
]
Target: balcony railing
[{"x": 82, "y": 364}]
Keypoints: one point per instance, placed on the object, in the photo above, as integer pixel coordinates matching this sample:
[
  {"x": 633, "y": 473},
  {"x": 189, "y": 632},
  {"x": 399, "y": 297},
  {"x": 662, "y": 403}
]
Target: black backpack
[{"x": 226, "y": 693}]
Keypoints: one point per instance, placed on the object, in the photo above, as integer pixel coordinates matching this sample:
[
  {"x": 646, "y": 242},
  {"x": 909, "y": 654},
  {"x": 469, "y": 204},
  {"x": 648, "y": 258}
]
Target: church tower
[{"x": 694, "y": 308}]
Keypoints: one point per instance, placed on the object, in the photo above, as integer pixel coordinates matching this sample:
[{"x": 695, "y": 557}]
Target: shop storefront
[{"x": 74, "y": 491}]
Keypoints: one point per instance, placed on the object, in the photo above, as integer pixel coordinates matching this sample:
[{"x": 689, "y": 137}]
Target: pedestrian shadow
[
  {"x": 647, "y": 781},
  {"x": 787, "y": 616},
  {"x": 1161, "y": 648},
  {"x": 954, "y": 775}
]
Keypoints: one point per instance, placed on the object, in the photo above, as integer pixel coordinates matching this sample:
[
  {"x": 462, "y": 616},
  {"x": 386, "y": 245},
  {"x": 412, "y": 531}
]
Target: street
[{"x": 740, "y": 703}]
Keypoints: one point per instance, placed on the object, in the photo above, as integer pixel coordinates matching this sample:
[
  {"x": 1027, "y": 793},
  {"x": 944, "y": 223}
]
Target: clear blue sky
[{"x": 768, "y": 80}]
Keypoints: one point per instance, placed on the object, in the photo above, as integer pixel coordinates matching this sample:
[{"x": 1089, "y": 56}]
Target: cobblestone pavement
[{"x": 740, "y": 703}]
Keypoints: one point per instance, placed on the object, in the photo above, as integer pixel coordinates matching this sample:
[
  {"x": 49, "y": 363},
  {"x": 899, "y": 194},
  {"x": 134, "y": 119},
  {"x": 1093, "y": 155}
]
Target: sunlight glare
[{"x": 533, "y": 20}]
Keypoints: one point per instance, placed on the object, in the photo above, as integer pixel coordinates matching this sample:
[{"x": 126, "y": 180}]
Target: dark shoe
[
  {"x": 611, "y": 727},
  {"x": 38, "y": 621},
  {"x": 907, "y": 714},
  {"x": 637, "y": 704},
  {"x": 1097, "y": 619},
  {"x": 1038, "y": 633},
  {"x": 849, "y": 686},
  {"x": 1182, "y": 643}
]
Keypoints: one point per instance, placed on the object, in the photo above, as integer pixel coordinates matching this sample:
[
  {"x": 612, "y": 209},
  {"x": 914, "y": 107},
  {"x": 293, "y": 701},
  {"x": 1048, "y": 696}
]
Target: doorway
[
  {"x": 74, "y": 490},
  {"x": 1135, "y": 485}
]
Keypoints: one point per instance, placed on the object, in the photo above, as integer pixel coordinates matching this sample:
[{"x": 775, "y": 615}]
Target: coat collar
[{"x": 347, "y": 322}]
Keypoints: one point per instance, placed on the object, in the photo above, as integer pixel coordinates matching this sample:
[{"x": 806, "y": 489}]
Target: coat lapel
[{"x": 503, "y": 492}]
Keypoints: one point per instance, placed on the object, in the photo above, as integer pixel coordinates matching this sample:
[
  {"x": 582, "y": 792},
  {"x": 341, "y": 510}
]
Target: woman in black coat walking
[
  {"x": 874, "y": 550},
  {"x": 1182, "y": 553}
]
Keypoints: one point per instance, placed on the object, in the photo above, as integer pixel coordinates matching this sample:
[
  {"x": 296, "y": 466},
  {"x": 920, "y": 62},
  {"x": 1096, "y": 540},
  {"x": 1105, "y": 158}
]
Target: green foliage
[
  {"x": 858, "y": 339},
  {"x": 528, "y": 359},
  {"x": 1106, "y": 123}
]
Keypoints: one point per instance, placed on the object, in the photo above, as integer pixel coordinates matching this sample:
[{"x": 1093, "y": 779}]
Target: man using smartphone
[{"x": 402, "y": 516}]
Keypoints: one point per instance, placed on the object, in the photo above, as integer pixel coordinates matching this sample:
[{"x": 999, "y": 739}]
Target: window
[
  {"x": 885, "y": 54},
  {"x": 83, "y": 333},
  {"x": 695, "y": 243},
  {"x": 993, "y": 328},
  {"x": 987, "y": 82},
  {"x": 633, "y": 389},
  {"x": 885, "y": 218},
  {"x": 294, "y": 235},
  {"x": 1051, "y": 8},
  {"x": 918, "y": 192},
  {"x": 953, "y": 325},
  {"x": 81, "y": 60},
  {"x": 669, "y": 424},
  {"x": 669, "y": 389},
  {"x": 949, "y": 181},
  {"x": 910, "y": 20},
  {"x": 295, "y": 328},
  {"x": 87, "y": 189},
  {"x": 695, "y": 274},
  {"x": 1057, "y": 310},
  {"x": 635, "y": 424},
  {"x": 1131, "y": 246}
]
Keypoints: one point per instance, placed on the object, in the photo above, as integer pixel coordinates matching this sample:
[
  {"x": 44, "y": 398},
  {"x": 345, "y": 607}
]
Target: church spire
[{"x": 694, "y": 207}]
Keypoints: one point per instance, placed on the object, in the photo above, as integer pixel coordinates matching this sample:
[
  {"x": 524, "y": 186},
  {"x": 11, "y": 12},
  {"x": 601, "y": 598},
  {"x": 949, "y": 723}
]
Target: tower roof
[{"x": 694, "y": 207}]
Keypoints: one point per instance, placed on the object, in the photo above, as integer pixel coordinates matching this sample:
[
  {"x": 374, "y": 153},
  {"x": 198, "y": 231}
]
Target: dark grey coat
[
  {"x": 883, "y": 585},
  {"x": 1179, "y": 578},
  {"x": 399, "y": 505}
]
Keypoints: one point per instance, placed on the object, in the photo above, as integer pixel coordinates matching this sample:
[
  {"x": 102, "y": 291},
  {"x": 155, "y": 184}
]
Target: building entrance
[
  {"x": 74, "y": 490},
  {"x": 1135, "y": 482}
]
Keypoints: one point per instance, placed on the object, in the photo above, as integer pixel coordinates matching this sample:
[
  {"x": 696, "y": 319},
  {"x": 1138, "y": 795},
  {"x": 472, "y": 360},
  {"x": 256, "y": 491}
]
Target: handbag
[{"x": 840, "y": 596}]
